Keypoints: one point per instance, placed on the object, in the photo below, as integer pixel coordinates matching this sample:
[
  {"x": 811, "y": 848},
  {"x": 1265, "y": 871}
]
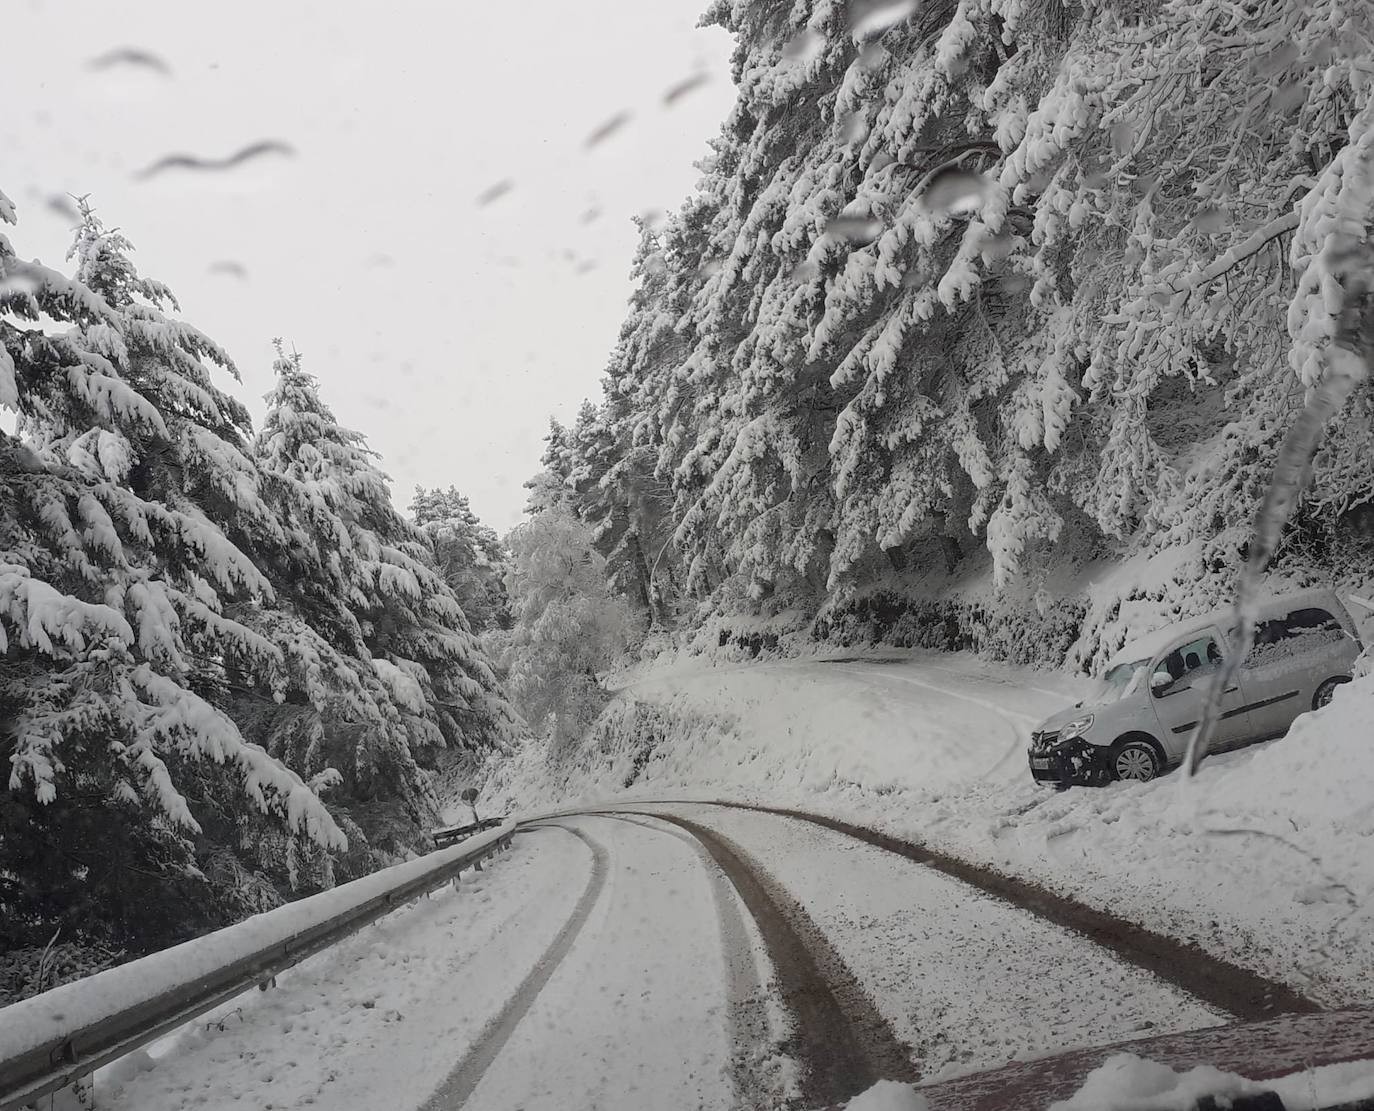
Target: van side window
[
  {"x": 1293, "y": 634},
  {"x": 1173, "y": 672}
]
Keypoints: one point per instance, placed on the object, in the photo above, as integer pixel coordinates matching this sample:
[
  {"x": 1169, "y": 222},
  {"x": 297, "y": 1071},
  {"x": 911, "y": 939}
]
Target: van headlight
[{"x": 1076, "y": 728}]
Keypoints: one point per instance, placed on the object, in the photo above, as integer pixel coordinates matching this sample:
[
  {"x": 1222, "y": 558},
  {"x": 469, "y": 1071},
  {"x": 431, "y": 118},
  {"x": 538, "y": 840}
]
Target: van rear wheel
[{"x": 1135, "y": 760}]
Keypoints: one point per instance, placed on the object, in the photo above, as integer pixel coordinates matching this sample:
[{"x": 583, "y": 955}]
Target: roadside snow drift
[{"x": 1264, "y": 859}]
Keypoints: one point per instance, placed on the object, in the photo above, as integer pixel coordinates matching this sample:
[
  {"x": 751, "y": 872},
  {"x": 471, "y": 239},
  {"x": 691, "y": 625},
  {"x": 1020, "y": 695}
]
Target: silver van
[{"x": 1137, "y": 723}]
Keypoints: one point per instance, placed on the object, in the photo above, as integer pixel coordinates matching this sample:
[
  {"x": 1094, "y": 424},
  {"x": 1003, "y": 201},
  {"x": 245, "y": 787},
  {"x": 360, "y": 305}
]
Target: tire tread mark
[
  {"x": 1218, "y": 983},
  {"x": 752, "y": 1037},
  {"x": 842, "y": 1041},
  {"x": 459, "y": 1085}
]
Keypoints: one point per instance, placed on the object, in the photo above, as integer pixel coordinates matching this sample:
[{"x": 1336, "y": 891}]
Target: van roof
[{"x": 1152, "y": 643}]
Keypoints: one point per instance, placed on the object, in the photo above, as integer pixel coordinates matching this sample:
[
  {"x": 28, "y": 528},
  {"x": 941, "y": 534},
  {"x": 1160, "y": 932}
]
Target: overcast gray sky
[{"x": 447, "y": 331}]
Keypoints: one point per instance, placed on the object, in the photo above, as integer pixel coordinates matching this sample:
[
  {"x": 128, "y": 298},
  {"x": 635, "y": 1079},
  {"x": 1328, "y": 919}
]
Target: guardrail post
[{"x": 79, "y": 1095}]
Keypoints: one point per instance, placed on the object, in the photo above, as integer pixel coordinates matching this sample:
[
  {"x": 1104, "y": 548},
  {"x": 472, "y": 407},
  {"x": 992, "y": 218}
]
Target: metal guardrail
[
  {"x": 451, "y": 835},
  {"x": 59, "y": 1060}
]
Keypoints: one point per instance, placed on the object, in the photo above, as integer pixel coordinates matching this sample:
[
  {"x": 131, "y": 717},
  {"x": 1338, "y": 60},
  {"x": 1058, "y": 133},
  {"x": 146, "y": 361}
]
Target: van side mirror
[{"x": 1160, "y": 680}]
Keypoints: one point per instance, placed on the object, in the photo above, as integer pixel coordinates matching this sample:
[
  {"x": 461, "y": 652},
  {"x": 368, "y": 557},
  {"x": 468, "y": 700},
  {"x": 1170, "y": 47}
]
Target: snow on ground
[
  {"x": 640, "y": 1007},
  {"x": 967, "y": 981},
  {"x": 32, "y": 1023},
  {"x": 1264, "y": 860},
  {"x": 1126, "y": 1082},
  {"x": 379, "y": 1019},
  {"x": 663, "y": 987},
  {"x": 840, "y": 722}
]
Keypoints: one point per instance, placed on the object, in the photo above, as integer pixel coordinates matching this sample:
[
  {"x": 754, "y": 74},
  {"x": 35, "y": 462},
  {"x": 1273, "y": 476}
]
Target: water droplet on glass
[
  {"x": 1014, "y": 283},
  {"x": 1211, "y": 219},
  {"x": 997, "y": 247},
  {"x": 954, "y": 190},
  {"x": 857, "y": 231},
  {"x": 252, "y": 152},
  {"x": 805, "y": 271},
  {"x": 685, "y": 86},
  {"x": 1122, "y": 135},
  {"x": 495, "y": 192},
  {"x": 853, "y": 127},
  {"x": 881, "y": 161},
  {"x": 129, "y": 56},
  {"x": 804, "y": 46},
  {"x": 1095, "y": 180},
  {"x": 591, "y": 216},
  {"x": 872, "y": 17},
  {"x": 873, "y": 55},
  {"x": 607, "y": 129},
  {"x": 1281, "y": 58},
  {"x": 17, "y": 278},
  {"x": 708, "y": 269},
  {"x": 1288, "y": 96},
  {"x": 586, "y": 266},
  {"x": 229, "y": 268},
  {"x": 61, "y": 204}
]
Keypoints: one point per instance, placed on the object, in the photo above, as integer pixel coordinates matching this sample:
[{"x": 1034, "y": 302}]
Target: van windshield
[{"x": 1120, "y": 681}]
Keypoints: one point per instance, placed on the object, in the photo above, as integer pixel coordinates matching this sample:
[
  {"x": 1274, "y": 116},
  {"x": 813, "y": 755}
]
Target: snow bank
[
  {"x": 888, "y": 1095},
  {"x": 1262, "y": 860},
  {"x": 1126, "y": 1082},
  {"x": 71, "y": 1008}
]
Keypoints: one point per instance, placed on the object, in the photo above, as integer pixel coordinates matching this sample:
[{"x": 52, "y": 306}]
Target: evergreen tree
[
  {"x": 117, "y": 586},
  {"x": 467, "y": 553},
  {"x": 1050, "y": 279},
  {"x": 406, "y": 675}
]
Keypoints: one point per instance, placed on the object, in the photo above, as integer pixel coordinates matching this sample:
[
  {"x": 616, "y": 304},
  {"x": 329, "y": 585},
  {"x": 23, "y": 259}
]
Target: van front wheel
[{"x": 1135, "y": 760}]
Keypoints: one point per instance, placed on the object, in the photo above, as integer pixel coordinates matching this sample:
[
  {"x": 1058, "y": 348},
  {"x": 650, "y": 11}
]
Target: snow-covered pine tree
[
  {"x": 116, "y": 585},
  {"x": 413, "y": 675},
  {"x": 553, "y": 486},
  {"x": 1045, "y": 278},
  {"x": 467, "y": 553}
]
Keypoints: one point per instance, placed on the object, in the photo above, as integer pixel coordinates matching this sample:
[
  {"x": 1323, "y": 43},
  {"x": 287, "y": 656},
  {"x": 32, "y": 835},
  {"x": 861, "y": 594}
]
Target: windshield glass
[
  {"x": 1120, "y": 681},
  {"x": 566, "y": 513}
]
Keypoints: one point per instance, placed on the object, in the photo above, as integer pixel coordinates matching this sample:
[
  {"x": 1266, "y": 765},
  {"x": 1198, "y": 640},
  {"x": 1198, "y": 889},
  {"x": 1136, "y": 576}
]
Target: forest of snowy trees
[
  {"x": 986, "y": 291},
  {"x": 977, "y": 304},
  {"x": 231, "y": 672}
]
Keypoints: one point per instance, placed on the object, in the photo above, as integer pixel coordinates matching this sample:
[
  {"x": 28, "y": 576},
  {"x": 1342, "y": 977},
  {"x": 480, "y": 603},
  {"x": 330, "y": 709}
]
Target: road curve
[
  {"x": 463, "y": 1080},
  {"x": 842, "y": 1042},
  {"x": 1236, "y": 991}
]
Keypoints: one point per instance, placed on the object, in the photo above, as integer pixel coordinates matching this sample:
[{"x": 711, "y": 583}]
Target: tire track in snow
[
  {"x": 459, "y": 1085},
  {"x": 844, "y": 1043},
  {"x": 747, "y": 1013},
  {"x": 1216, "y": 982}
]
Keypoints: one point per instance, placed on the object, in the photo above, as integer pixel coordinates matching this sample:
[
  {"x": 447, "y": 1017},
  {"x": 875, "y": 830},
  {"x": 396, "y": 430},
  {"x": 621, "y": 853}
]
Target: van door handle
[{"x": 1231, "y": 690}]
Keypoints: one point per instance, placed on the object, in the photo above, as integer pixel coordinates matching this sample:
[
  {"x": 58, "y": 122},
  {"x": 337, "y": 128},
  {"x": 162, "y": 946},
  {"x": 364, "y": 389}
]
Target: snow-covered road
[{"x": 611, "y": 961}]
